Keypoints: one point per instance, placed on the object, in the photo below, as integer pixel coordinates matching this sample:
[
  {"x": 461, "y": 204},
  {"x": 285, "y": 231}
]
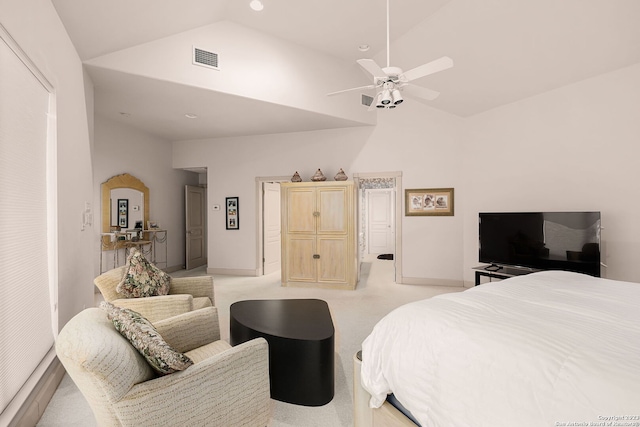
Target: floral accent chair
[{"x": 223, "y": 386}]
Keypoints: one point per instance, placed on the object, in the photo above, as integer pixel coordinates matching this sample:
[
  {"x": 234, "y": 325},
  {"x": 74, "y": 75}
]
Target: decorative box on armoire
[{"x": 319, "y": 245}]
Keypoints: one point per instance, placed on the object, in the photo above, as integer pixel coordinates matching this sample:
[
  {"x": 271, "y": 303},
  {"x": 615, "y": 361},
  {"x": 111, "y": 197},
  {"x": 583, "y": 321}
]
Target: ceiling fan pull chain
[{"x": 388, "y": 50}]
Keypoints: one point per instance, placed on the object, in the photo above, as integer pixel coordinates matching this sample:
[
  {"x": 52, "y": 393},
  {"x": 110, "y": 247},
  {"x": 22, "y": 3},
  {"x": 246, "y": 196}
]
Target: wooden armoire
[{"x": 319, "y": 245}]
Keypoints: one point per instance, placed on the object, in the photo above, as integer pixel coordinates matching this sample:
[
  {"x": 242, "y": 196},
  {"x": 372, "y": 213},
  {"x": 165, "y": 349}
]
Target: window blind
[{"x": 27, "y": 303}]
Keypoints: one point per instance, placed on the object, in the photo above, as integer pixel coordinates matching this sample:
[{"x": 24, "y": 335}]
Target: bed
[{"x": 547, "y": 349}]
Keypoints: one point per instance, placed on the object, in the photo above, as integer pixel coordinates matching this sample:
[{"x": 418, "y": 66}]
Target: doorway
[
  {"x": 268, "y": 224},
  {"x": 379, "y": 217},
  {"x": 380, "y": 225},
  {"x": 195, "y": 221},
  {"x": 271, "y": 227}
]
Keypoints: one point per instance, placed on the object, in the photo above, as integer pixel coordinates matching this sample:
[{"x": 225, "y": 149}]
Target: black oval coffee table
[{"x": 300, "y": 334}]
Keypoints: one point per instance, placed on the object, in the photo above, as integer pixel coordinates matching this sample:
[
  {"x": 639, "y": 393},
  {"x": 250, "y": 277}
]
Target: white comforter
[{"x": 546, "y": 349}]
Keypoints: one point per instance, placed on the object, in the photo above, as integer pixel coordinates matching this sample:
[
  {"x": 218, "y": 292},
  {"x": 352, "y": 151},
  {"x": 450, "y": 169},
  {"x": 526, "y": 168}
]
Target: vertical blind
[{"x": 27, "y": 303}]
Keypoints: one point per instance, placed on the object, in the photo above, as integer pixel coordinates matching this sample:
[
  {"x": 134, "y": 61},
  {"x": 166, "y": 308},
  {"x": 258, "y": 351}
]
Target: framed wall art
[
  {"x": 429, "y": 202},
  {"x": 123, "y": 213},
  {"x": 233, "y": 219}
]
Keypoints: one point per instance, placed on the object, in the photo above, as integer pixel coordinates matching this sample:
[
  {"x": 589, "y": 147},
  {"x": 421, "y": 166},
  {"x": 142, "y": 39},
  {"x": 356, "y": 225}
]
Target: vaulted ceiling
[{"x": 503, "y": 51}]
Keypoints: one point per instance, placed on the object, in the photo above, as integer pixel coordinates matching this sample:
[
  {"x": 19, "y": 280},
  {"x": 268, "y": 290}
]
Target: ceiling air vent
[
  {"x": 367, "y": 100},
  {"x": 205, "y": 58}
]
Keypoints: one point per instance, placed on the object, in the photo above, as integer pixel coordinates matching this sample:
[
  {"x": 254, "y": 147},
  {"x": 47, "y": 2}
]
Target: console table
[
  {"x": 157, "y": 236},
  {"x": 112, "y": 243},
  {"x": 502, "y": 273}
]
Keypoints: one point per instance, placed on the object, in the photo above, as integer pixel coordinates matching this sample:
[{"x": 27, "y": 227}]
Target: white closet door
[
  {"x": 381, "y": 227},
  {"x": 272, "y": 225}
]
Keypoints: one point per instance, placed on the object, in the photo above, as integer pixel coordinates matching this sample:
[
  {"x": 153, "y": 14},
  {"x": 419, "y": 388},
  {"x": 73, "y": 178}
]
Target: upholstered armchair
[
  {"x": 226, "y": 386},
  {"x": 185, "y": 294}
]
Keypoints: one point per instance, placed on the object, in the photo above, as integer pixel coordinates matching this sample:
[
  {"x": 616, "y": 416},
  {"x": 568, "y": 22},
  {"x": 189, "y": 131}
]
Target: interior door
[
  {"x": 380, "y": 221},
  {"x": 195, "y": 214},
  {"x": 271, "y": 227}
]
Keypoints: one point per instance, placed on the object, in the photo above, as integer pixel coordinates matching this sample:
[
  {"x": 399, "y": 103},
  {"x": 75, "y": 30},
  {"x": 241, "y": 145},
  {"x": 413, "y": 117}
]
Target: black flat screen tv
[{"x": 541, "y": 240}]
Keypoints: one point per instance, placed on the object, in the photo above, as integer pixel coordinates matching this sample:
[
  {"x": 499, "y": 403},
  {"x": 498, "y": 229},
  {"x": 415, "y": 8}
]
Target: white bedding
[{"x": 546, "y": 349}]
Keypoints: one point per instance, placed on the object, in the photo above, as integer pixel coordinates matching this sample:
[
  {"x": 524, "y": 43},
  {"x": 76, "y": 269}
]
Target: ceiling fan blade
[
  {"x": 352, "y": 89},
  {"x": 432, "y": 67},
  {"x": 421, "y": 92},
  {"x": 371, "y": 66}
]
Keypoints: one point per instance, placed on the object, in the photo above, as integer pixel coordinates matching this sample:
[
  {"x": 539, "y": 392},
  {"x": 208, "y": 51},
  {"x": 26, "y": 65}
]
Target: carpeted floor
[{"x": 354, "y": 314}]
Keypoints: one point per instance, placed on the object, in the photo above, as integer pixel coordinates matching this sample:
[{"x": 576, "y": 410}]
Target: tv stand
[
  {"x": 500, "y": 272},
  {"x": 493, "y": 268}
]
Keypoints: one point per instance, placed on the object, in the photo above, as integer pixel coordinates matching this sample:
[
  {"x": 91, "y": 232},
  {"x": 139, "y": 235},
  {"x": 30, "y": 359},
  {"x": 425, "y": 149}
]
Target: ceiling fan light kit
[
  {"x": 385, "y": 99},
  {"x": 397, "y": 97},
  {"x": 390, "y": 81}
]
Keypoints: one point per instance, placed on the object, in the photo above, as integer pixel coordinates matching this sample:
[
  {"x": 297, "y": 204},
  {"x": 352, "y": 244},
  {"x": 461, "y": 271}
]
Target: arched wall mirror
[{"x": 125, "y": 200}]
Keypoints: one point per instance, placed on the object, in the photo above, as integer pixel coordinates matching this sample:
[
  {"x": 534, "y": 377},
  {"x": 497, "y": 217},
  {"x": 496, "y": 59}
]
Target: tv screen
[{"x": 541, "y": 240}]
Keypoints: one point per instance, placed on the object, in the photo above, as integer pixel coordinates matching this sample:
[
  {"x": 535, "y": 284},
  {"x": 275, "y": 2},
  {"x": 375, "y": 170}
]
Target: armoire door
[
  {"x": 300, "y": 261},
  {"x": 332, "y": 210},
  {"x": 332, "y": 259},
  {"x": 300, "y": 210}
]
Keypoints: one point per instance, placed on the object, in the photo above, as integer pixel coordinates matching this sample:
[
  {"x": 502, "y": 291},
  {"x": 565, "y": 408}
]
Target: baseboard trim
[
  {"x": 422, "y": 281},
  {"x": 174, "y": 268},
  {"x": 338, "y": 286},
  {"x": 232, "y": 272},
  {"x": 35, "y": 405}
]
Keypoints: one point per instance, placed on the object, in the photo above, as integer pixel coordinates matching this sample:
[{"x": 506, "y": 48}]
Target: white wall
[
  {"x": 44, "y": 39},
  {"x": 574, "y": 148},
  {"x": 418, "y": 140},
  {"x": 123, "y": 149},
  {"x": 252, "y": 64},
  {"x": 424, "y": 144},
  {"x": 35, "y": 26}
]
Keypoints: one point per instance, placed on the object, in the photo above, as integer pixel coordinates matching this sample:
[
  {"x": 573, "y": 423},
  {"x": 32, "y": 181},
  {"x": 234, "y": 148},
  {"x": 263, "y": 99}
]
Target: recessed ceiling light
[
  {"x": 256, "y": 5},
  {"x": 363, "y": 47},
  {"x": 191, "y": 116}
]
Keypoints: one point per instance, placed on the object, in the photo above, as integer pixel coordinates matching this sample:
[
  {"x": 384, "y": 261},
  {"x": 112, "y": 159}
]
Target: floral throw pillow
[
  {"x": 142, "y": 279},
  {"x": 146, "y": 339}
]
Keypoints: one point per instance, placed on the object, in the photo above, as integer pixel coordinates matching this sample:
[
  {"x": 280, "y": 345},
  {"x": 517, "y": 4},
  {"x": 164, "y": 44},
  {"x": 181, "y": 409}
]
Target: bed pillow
[
  {"x": 146, "y": 339},
  {"x": 142, "y": 279}
]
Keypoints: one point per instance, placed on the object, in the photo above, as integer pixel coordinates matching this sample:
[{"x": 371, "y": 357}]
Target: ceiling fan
[{"x": 392, "y": 80}]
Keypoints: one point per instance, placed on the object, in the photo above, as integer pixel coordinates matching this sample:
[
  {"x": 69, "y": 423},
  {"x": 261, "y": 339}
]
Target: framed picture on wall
[
  {"x": 123, "y": 213},
  {"x": 233, "y": 219},
  {"x": 428, "y": 202}
]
